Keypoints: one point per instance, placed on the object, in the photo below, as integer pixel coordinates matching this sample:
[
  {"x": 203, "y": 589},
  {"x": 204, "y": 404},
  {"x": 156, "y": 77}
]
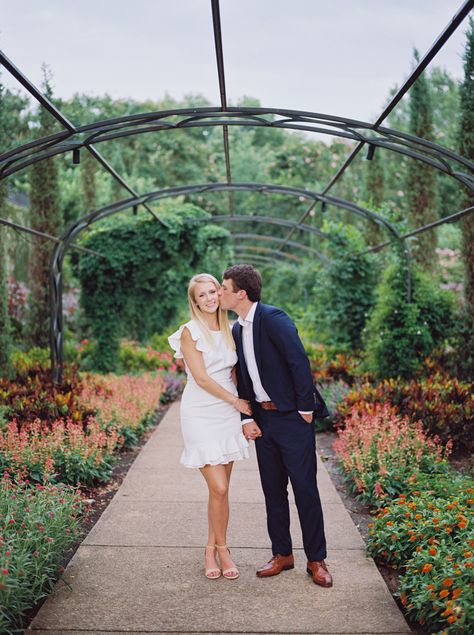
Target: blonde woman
[{"x": 210, "y": 407}]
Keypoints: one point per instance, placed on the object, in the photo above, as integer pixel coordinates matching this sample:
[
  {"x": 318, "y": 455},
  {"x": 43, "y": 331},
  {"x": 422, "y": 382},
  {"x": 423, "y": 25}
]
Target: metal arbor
[{"x": 74, "y": 138}]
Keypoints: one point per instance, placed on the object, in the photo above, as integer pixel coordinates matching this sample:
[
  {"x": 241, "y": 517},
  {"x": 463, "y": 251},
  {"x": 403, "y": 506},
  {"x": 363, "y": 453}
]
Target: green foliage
[
  {"x": 400, "y": 334},
  {"x": 344, "y": 291},
  {"x": 466, "y": 148},
  {"x": 421, "y": 180},
  {"x": 45, "y": 217},
  {"x": 427, "y": 532},
  {"x": 5, "y": 325},
  {"x": 38, "y": 525},
  {"x": 137, "y": 289}
]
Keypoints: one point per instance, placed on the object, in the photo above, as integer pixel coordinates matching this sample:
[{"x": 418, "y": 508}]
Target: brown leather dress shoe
[
  {"x": 318, "y": 570},
  {"x": 276, "y": 565}
]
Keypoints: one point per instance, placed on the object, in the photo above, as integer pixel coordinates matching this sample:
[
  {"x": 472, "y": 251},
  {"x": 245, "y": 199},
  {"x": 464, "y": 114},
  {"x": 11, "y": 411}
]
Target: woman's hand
[{"x": 243, "y": 406}]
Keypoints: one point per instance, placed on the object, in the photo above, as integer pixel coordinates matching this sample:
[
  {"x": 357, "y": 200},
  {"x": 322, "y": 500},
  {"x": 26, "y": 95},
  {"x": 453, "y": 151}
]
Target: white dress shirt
[
  {"x": 249, "y": 354},
  {"x": 250, "y": 360}
]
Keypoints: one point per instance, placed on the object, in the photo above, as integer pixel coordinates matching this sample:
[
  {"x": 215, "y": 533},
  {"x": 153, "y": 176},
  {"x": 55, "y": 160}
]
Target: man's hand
[
  {"x": 307, "y": 417},
  {"x": 251, "y": 431}
]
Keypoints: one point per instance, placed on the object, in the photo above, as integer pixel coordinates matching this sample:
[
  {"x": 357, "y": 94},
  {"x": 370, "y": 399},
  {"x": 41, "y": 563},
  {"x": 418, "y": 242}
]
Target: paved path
[{"x": 140, "y": 569}]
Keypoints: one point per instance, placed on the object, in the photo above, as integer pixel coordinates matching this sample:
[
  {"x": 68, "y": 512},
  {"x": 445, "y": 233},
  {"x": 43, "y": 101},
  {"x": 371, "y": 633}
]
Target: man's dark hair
[{"x": 247, "y": 278}]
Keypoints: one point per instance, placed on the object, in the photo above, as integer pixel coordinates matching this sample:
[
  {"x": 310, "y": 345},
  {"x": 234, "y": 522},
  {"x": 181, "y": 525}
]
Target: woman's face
[{"x": 206, "y": 297}]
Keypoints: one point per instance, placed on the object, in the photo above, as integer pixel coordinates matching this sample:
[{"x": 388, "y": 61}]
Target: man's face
[{"x": 228, "y": 297}]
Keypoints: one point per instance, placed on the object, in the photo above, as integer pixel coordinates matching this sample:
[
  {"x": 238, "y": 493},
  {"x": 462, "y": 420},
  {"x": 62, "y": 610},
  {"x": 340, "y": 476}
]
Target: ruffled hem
[
  {"x": 175, "y": 339},
  {"x": 216, "y": 453}
]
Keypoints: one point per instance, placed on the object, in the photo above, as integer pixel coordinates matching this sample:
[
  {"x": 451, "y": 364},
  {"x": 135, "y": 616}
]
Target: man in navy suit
[{"x": 274, "y": 374}]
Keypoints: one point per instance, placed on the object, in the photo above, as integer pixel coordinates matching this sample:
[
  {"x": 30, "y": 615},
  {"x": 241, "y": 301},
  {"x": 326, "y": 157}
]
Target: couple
[{"x": 264, "y": 357}]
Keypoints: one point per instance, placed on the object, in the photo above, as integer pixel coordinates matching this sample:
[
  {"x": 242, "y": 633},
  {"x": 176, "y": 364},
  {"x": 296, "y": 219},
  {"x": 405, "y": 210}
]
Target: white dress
[{"x": 211, "y": 428}]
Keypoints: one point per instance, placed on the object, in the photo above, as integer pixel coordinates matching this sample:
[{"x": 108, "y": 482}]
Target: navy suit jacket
[{"x": 282, "y": 363}]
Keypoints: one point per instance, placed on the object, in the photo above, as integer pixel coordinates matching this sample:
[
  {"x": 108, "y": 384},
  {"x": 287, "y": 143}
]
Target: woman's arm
[
  {"x": 233, "y": 374},
  {"x": 195, "y": 362}
]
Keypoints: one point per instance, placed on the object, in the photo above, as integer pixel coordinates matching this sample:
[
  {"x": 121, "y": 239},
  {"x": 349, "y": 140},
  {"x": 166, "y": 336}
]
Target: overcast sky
[{"x": 332, "y": 56}]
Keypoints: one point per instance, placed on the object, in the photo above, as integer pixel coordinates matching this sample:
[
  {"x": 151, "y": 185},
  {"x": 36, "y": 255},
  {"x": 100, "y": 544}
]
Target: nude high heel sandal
[
  {"x": 232, "y": 573},
  {"x": 211, "y": 574}
]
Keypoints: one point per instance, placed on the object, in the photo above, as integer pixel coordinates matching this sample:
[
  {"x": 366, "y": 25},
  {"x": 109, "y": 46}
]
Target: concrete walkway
[{"x": 140, "y": 570}]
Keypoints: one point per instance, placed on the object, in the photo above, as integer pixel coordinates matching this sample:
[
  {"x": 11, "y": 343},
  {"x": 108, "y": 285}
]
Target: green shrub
[
  {"x": 140, "y": 286},
  {"x": 399, "y": 335},
  {"x": 428, "y": 533},
  {"x": 37, "y": 524}
]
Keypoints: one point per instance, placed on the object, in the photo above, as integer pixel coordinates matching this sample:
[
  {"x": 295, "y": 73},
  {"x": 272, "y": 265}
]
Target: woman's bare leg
[{"x": 217, "y": 479}]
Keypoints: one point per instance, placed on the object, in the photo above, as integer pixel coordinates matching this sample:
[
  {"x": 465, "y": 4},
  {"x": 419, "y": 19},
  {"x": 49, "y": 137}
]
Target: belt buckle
[{"x": 268, "y": 405}]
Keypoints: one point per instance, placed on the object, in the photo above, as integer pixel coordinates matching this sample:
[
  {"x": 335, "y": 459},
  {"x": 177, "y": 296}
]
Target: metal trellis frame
[{"x": 72, "y": 138}]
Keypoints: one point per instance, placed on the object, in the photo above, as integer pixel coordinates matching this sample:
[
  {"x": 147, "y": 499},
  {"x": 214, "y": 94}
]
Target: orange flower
[
  {"x": 403, "y": 598},
  {"x": 427, "y": 567},
  {"x": 456, "y": 593},
  {"x": 413, "y": 538},
  {"x": 389, "y": 523},
  {"x": 370, "y": 525},
  {"x": 450, "y": 506},
  {"x": 462, "y": 524},
  {"x": 467, "y": 554},
  {"x": 431, "y": 541},
  {"x": 432, "y": 551},
  {"x": 468, "y": 565},
  {"x": 448, "y": 530},
  {"x": 444, "y": 593},
  {"x": 418, "y": 549},
  {"x": 447, "y": 582},
  {"x": 430, "y": 587},
  {"x": 451, "y": 619},
  {"x": 447, "y": 612},
  {"x": 435, "y": 520}
]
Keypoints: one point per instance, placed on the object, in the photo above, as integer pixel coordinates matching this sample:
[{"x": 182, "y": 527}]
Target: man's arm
[{"x": 282, "y": 331}]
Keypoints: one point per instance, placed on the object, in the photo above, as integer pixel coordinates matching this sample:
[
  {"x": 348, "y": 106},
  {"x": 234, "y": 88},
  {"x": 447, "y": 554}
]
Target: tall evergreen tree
[
  {"x": 421, "y": 179},
  {"x": 375, "y": 192},
  {"x": 45, "y": 217},
  {"x": 5, "y": 327},
  {"x": 466, "y": 148}
]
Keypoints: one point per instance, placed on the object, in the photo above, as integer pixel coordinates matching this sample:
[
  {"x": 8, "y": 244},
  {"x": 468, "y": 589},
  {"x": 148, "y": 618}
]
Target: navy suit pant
[{"x": 287, "y": 450}]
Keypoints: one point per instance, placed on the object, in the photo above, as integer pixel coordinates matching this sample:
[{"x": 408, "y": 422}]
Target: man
[{"x": 274, "y": 374}]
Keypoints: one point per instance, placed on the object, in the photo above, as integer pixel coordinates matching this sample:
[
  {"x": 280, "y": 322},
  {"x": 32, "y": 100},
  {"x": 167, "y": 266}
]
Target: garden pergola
[{"x": 371, "y": 135}]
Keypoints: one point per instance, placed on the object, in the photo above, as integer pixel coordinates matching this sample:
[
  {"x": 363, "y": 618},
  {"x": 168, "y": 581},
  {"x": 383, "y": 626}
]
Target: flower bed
[
  {"x": 328, "y": 365},
  {"x": 381, "y": 452},
  {"x": 72, "y": 452},
  {"x": 125, "y": 402},
  {"x": 37, "y": 525},
  {"x": 57, "y": 436},
  {"x": 445, "y": 405},
  {"x": 424, "y": 522}
]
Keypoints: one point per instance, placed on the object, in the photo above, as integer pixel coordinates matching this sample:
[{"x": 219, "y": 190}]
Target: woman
[{"x": 210, "y": 420}]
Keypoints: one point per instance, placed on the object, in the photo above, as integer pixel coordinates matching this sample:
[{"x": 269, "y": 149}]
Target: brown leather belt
[{"x": 268, "y": 405}]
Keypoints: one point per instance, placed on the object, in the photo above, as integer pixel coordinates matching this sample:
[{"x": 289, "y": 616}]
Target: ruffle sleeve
[{"x": 175, "y": 339}]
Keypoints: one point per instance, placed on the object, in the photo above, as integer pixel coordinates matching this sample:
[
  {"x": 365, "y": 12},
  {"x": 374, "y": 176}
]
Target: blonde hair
[{"x": 195, "y": 312}]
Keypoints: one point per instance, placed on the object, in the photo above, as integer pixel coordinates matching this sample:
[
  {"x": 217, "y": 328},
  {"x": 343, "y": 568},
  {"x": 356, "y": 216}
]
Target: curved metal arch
[
  {"x": 56, "y": 322},
  {"x": 256, "y": 258},
  {"x": 417, "y": 148},
  {"x": 267, "y": 250},
  {"x": 282, "y": 241}
]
